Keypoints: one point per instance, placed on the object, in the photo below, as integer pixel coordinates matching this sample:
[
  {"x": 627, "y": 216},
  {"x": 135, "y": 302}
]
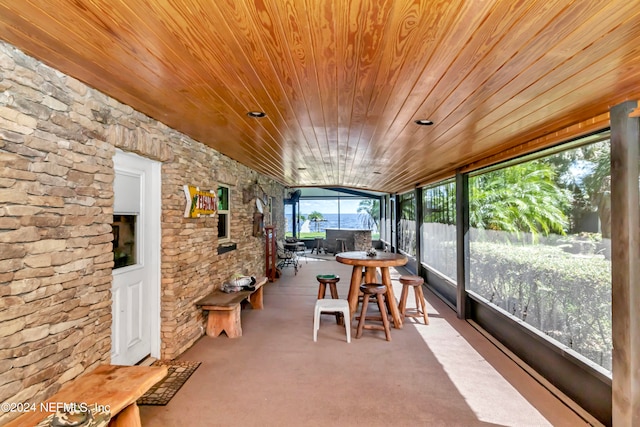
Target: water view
[{"x": 344, "y": 221}]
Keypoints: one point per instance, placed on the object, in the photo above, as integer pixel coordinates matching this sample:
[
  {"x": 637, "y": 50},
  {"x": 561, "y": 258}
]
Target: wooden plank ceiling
[{"x": 342, "y": 81}]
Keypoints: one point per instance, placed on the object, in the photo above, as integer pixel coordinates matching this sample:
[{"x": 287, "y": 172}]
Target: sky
[{"x": 329, "y": 206}]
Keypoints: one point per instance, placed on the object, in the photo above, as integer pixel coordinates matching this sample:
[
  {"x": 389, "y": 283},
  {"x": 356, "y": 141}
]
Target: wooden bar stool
[
  {"x": 341, "y": 245},
  {"x": 416, "y": 283},
  {"x": 379, "y": 291},
  {"x": 360, "y": 293},
  {"x": 330, "y": 280},
  {"x": 319, "y": 246}
]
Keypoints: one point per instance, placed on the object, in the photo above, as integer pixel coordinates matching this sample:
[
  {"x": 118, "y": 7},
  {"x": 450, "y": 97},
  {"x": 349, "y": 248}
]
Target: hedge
[{"x": 566, "y": 296}]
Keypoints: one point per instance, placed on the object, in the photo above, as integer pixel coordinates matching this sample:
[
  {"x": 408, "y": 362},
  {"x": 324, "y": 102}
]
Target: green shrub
[{"x": 567, "y": 297}]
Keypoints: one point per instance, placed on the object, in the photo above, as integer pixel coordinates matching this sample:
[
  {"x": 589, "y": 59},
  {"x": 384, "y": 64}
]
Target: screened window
[
  {"x": 315, "y": 216},
  {"x": 385, "y": 226},
  {"x": 124, "y": 240},
  {"x": 224, "y": 213},
  {"x": 407, "y": 224},
  {"x": 540, "y": 245},
  {"x": 438, "y": 244}
]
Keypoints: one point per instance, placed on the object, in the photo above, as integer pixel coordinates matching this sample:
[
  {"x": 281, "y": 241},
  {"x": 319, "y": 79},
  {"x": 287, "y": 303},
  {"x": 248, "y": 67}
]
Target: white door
[{"x": 135, "y": 328}]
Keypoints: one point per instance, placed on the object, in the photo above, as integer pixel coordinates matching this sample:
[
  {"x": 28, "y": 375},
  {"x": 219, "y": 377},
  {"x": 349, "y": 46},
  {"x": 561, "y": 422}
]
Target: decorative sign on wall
[{"x": 199, "y": 202}]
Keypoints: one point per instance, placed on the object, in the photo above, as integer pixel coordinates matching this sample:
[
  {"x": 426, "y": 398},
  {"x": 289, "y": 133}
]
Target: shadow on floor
[{"x": 443, "y": 374}]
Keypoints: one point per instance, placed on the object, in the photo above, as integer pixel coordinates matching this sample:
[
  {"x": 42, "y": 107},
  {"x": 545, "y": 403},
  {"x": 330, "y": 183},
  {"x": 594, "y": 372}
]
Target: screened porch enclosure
[
  {"x": 534, "y": 261},
  {"x": 314, "y": 210}
]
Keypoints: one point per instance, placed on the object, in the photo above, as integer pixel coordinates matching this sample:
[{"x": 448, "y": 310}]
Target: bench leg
[
  {"x": 255, "y": 299},
  {"x": 224, "y": 320},
  {"x": 128, "y": 417}
]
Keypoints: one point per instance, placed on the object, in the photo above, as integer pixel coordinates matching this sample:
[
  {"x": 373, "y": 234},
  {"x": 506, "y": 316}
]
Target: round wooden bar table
[{"x": 383, "y": 260}]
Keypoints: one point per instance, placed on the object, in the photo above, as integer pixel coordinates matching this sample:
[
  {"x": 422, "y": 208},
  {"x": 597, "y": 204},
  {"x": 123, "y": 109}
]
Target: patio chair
[
  {"x": 286, "y": 257},
  {"x": 294, "y": 245}
]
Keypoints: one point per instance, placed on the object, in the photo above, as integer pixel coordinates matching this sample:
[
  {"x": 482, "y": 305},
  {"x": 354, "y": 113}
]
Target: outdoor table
[{"x": 383, "y": 260}]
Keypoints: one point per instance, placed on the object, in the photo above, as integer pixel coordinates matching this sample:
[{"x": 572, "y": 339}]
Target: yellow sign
[{"x": 199, "y": 202}]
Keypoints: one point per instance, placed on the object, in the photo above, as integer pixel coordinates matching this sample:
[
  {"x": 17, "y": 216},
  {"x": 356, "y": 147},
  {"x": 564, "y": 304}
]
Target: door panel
[
  {"x": 135, "y": 319},
  {"x": 135, "y": 310},
  {"x": 116, "y": 323}
]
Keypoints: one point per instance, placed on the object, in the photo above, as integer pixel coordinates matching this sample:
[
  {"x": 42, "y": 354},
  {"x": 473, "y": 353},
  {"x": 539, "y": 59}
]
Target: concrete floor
[{"x": 443, "y": 374}]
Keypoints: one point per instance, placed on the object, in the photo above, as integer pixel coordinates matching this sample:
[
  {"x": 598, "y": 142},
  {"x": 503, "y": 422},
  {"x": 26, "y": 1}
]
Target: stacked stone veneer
[
  {"x": 57, "y": 141},
  {"x": 356, "y": 240}
]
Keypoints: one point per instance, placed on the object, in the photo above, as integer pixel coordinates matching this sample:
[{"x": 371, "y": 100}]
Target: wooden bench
[
  {"x": 116, "y": 388},
  {"x": 224, "y": 309}
]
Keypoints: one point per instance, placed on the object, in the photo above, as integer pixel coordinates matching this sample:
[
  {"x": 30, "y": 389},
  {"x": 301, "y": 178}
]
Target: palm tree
[
  {"x": 520, "y": 198},
  {"x": 316, "y": 217},
  {"x": 372, "y": 208}
]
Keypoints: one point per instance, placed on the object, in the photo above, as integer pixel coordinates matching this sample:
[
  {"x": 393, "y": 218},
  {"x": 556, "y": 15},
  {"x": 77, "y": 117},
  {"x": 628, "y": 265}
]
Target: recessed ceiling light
[
  {"x": 424, "y": 122},
  {"x": 257, "y": 114}
]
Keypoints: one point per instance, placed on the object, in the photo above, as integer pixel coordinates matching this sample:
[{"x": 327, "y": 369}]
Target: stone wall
[
  {"x": 191, "y": 266},
  {"x": 355, "y": 240},
  {"x": 57, "y": 141}
]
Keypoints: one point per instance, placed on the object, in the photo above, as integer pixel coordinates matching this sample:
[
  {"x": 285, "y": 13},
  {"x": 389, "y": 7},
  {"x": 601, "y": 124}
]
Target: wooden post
[
  {"x": 625, "y": 274},
  {"x": 270, "y": 253}
]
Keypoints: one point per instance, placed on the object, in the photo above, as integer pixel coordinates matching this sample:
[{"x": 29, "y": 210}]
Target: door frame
[{"x": 151, "y": 193}]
